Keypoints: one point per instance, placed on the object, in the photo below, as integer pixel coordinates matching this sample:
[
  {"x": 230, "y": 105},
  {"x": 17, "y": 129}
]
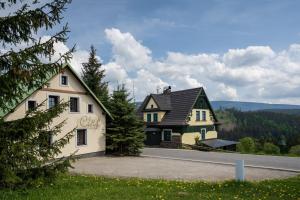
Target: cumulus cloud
[
  {"x": 255, "y": 73},
  {"x": 127, "y": 51}
]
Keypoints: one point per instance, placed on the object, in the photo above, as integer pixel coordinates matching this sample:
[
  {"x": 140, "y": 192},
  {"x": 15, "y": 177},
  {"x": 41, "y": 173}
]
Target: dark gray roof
[
  {"x": 182, "y": 103},
  {"x": 178, "y": 105},
  {"x": 216, "y": 143},
  {"x": 163, "y": 101}
]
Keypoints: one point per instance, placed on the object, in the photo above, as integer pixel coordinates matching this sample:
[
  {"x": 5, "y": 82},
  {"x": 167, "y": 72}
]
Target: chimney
[{"x": 167, "y": 90}]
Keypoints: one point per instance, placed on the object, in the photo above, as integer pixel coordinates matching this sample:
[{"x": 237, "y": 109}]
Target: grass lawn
[{"x": 91, "y": 187}]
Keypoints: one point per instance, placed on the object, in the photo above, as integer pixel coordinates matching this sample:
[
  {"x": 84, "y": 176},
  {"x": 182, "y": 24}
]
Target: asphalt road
[{"x": 277, "y": 162}]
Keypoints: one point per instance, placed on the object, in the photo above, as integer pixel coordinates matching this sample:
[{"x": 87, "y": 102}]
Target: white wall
[{"x": 95, "y": 136}]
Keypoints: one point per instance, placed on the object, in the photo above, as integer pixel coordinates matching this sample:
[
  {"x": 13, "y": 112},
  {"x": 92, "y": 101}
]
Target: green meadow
[{"x": 93, "y": 187}]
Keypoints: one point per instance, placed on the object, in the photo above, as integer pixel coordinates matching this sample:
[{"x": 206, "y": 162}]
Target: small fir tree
[
  {"x": 93, "y": 76},
  {"x": 125, "y": 135},
  {"x": 26, "y": 156}
]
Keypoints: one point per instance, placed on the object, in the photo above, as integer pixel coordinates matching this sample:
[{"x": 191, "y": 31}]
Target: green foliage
[
  {"x": 197, "y": 138},
  {"x": 280, "y": 129},
  {"x": 295, "y": 150},
  {"x": 93, "y": 76},
  {"x": 26, "y": 157},
  {"x": 270, "y": 148},
  {"x": 125, "y": 135},
  {"x": 78, "y": 187},
  {"x": 246, "y": 145}
]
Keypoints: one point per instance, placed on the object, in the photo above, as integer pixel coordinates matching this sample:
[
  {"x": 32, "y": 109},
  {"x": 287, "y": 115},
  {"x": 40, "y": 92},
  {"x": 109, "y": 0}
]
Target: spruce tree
[
  {"x": 125, "y": 135},
  {"x": 93, "y": 76},
  {"x": 26, "y": 156}
]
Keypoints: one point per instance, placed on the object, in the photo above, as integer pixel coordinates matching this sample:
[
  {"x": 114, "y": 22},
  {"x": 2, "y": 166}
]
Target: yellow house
[
  {"x": 178, "y": 117},
  {"x": 85, "y": 112}
]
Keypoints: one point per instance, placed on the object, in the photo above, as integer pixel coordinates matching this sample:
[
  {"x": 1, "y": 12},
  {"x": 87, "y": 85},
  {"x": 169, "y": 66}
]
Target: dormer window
[{"x": 64, "y": 80}]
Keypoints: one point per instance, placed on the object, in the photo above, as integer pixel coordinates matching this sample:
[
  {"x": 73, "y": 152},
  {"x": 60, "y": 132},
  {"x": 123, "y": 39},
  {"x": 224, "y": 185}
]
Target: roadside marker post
[{"x": 239, "y": 170}]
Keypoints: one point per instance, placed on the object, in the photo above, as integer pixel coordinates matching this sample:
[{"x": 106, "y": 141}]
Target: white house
[{"x": 85, "y": 113}]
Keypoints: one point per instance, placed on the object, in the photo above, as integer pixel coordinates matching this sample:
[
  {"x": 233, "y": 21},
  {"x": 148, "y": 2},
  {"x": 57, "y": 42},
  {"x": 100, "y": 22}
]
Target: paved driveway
[
  {"x": 145, "y": 167},
  {"x": 278, "y": 162}
]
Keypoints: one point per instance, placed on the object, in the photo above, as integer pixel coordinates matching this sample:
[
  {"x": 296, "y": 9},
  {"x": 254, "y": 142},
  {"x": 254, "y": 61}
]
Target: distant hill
[{"x": 253, "y": 106}]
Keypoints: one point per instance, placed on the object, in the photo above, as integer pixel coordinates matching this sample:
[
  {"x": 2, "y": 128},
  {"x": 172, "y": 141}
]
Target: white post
[{"x": 239, "y": 170}]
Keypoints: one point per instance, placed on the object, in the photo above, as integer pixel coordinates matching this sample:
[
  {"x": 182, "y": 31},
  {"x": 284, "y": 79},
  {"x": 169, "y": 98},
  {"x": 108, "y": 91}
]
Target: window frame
[
  {"x": 85, "y": 138},
  {"x": 205, "y": 131},
  {"x": 35, "y": 104},
  {"x": 92, "y": 106},
  {"x": 155, "y": 117},
  {"x": 78, "y": 104},
  {"x": 61, "y": 82},
  {"x": 198, "y": 117},
  {"x": 163, "y": 135},
  {"x": 203, "y": 115},
  {"x": 48, "y": 102},
  {"x": 149, "y": 117}
]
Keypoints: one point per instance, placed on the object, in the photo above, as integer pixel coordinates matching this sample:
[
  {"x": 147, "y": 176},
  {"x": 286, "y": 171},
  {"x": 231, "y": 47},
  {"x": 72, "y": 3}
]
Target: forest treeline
[{"x": 280, "y": 129}]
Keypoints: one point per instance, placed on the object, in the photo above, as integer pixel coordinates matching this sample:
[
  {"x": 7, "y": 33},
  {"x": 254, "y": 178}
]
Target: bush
[
  {"x": 246, "y": 145},
  {"x": 197, "y": 138},
  {"x": 270, "y": 148},
  {"x": 295, "y": 150}
]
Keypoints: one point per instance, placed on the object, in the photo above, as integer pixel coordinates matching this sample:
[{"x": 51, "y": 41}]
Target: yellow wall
[
  {"x": 151, "y": 102},
  {"x": 160, "y": 115},
  {"x": 95, "y": 136},
  {"x": 211, "y": 135},
  {"x": 189, "y": 138},
  {"x": 193, "y": 121}
]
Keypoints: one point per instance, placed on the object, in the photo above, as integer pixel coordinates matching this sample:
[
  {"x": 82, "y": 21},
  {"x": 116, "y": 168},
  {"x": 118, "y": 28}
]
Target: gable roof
[
  {"x": 178, "y": 105},
  {"x": 49, "y": 77}
]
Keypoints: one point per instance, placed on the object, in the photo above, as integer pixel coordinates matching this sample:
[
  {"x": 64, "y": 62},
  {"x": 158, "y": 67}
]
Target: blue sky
[
  {"x": 236, "y": 49},
  {"x": 188, "y": 26}
]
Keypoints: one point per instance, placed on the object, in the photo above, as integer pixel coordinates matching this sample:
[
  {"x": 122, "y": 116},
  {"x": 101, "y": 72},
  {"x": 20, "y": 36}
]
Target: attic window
[
  {"x": 64, "y": 80},
  {"x": 152, "y": 106}
]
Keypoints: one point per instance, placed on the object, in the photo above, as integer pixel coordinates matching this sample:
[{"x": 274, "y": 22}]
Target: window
[
  {"x": 167, "y": 135},
  {"x": 148, "y": 117},
  {"x": 203, "y": 115},
  {"x": 155, "y": 117},
  {"x": 197, "y": 115},
  {"x": 74, "y": 104},
  {"x": 81, "y": 137},
  {"x": 64, "y": 80},
  {"x": 152, "y": 106},
  {"x": 31, "y": 105},
  {"x": 53, "y": 101},
  {"x": 90, "y": 108}
]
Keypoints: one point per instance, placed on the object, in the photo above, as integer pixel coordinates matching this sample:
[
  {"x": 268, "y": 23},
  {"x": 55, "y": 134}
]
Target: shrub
[
  {"x": 295, "y": 150},
  {"x": 197, "y": 138},
  {"x": 246, "y": 145},
  {"x": 270, "y": 148}
]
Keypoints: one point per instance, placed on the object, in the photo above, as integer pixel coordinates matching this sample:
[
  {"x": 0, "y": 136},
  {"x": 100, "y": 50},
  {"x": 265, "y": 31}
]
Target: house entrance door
[{"x": 203, "y": 132}]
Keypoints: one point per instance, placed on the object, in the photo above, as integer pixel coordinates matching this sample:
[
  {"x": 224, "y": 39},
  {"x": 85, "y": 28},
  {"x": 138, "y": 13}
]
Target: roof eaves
[{"x": 89, "y": 90}]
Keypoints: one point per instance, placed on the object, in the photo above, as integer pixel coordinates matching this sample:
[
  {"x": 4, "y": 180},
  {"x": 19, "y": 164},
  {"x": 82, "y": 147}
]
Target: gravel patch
[{"x": 157, "y": 168}]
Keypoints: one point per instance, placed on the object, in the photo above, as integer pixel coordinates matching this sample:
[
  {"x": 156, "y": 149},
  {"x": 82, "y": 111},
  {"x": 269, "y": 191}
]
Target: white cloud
[
  {"x": 127, "y": 51},
  {"x": 226, "y": 92},
  {"x": 255, "y": 73},
  {"x": 251, "y": 74}
]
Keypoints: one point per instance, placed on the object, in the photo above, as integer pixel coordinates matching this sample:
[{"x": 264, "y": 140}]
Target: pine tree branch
[{"x": 20, "y": 27}]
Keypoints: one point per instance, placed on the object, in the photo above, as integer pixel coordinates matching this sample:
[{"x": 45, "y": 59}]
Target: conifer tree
[
  {"x": 93, "y": 76},
  {"x": 26, "y": 156},
  {"x": 125, "y": 135}
]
